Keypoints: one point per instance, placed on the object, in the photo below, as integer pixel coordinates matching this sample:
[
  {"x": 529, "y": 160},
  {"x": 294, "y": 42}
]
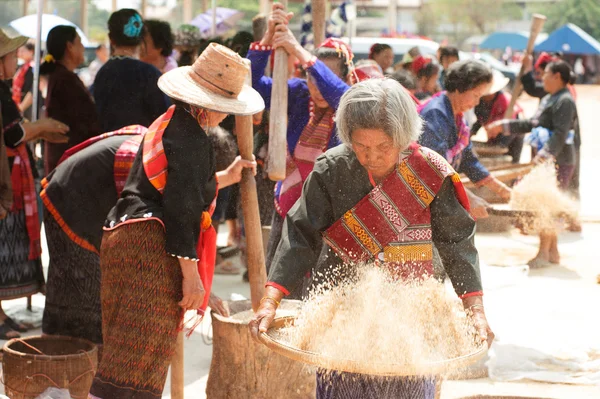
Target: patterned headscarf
[
  {"x": 341, "y": 47},
  {"x": 419, "y": 63},
  {"x": 544, "y": 59}
]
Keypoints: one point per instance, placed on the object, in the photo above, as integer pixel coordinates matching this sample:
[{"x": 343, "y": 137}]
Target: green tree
[
  {"x": 465, "y": 16},
  {"x": 9, "y": 11},
  {"x": 583, "y": 13}
]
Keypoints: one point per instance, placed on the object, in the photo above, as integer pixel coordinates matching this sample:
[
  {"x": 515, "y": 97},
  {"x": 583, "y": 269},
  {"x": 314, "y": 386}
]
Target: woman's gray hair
[{"x": 379, "y": 104}]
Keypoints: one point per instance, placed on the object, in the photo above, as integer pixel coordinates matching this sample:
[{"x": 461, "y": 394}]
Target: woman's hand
[
  {"x": 217, "y": 305},
  {"x": 233, "y": 173},
  {"x": 263, "y": 318},
  {"x": 542, "y": 156},
  {"x": 54, "y": 137},
  {"x": 527, "y": 64},
  {"x": 494, "y": 129},
  {"x": 266, "y": 312},
  {"x": 481, "y": 326},
  {"x": 277, "y": 17},
  {"x": 52, "y": 130},
  {"x": 501, "y": 189},
  {"x": 193, "y": 292},
  {"x": 285, "y": 39},
  {"x": 479, "y": 206},
  {"x": 474, "y": 307}
]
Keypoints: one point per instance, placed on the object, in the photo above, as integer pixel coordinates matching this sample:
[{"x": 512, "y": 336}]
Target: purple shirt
[{"x": 330, "y": 85}]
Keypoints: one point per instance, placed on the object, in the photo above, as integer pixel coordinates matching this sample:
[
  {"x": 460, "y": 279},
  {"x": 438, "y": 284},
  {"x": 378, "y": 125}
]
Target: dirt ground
[{"x": 555, "y": 306}]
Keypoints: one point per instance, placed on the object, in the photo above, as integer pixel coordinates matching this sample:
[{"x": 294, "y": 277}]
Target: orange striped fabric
[{"x": 154, "y": 159}]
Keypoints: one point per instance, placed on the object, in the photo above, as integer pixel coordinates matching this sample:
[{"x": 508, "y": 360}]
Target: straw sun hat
[
  {"x": 8, "y": 44},
  {"x": 499, "y": 82},
  {"x": 215, "y": 82}
]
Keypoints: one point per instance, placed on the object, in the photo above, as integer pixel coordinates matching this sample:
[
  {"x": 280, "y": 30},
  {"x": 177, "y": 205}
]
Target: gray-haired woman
[{"x": 425, "y": 205}]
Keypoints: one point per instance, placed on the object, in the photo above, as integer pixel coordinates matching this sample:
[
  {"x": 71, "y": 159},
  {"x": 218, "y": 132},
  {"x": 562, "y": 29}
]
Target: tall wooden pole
[
  {"x": 25, "y": 7},
  {"x": 204, "y": 5},
  {"x": 537, "y": 23},
  {"x": 393, "y": 17},
  {"x": 114, "y": 5},
  {"x": 143, "y": 5},
  {"x": 276, "y": 165},
  {"x": 213, "y": 30},
  {"x": 83, "y": 23},
  {"x": 38, "y": 60},
  {"x": 264, "y": 7},
  {"x": 257, "y": 272},
  {"x": 319, "y": 9},
  {"x": 188, "y": 11}
]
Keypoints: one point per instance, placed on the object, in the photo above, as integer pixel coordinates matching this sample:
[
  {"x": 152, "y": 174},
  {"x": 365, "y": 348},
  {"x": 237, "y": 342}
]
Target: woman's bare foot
[
  {"x": 7, "y": 333},
  {"x": 539, "y": 263}
]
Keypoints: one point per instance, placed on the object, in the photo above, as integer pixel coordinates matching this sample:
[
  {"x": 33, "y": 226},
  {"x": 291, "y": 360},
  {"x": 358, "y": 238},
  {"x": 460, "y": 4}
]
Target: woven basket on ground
[{"x": 32, "y": 365}]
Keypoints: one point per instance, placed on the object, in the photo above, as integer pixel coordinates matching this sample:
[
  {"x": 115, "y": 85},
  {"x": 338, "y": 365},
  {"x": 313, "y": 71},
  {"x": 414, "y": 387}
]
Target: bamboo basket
[
  {"x": 32, "y": 365},
  {"x": 272, "y": 340}
]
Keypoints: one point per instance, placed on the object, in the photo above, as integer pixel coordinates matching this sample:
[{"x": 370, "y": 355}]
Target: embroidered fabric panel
[
  {"x": 378, "y": 228},
  {"x": 124, "y": 160}
]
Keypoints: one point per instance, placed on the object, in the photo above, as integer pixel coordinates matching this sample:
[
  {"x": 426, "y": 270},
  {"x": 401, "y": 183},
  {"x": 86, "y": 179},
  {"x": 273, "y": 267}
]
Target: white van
[{"x": 361, "y": 46}]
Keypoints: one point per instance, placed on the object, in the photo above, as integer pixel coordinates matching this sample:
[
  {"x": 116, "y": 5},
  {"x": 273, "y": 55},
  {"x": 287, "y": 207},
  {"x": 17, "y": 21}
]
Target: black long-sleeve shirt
[
  {"x": 532, "y": 86},
  {"x": 558, "y": 113},
  {"x": 337, "y": 183},
  {"x": 190, "y": 187},
  {"x": 126, "y": 93}
]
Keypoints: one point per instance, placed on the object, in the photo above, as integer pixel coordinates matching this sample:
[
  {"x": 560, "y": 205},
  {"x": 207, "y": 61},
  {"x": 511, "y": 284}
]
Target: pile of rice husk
[
  {"x": 375, "y": 319},
  {"x": 538, "y": 192}
]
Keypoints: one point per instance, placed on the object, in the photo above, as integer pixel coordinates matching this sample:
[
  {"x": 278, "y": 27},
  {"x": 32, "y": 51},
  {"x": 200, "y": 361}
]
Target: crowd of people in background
[{"x": 121, "y": 93}]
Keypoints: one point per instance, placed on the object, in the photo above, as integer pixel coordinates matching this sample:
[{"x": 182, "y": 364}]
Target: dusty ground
[{"x": 554, "y": 307}]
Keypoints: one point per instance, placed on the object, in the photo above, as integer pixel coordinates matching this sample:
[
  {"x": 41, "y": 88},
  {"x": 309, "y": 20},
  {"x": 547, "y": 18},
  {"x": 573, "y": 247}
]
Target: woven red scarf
[
  {"x": 312, "y": 143},
  {"x": 24, "y": 195},
  {"x": 18, "y": 83}
]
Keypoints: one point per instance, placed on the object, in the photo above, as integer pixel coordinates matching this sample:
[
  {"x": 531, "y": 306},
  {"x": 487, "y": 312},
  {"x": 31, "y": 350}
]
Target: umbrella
[
  {"x": 226, "y": 19},
  {"x": 515, "y": 40},
  {"x": 27, "y": 26},
  {"x": 570, "y": 39}
]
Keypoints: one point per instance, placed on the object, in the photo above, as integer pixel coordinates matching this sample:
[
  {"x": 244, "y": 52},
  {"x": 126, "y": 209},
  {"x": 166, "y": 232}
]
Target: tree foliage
[
  {"x": 583, "y": 13},
  {"x": 465, "y": 17}
]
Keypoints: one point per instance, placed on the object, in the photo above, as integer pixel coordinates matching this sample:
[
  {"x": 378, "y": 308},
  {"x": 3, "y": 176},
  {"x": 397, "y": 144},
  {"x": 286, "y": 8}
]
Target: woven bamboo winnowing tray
[{"x": 273, "y": 340}]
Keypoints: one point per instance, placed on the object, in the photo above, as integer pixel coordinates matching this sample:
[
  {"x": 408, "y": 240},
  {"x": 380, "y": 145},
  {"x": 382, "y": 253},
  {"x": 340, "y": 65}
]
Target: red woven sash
[
  {"x": 127, "y": 130},
  {"x": 124, "y": 158},
  {"x": 24, "y": 195},
  {"x": 393, "y": 222},
  {"x": 312, "y": 143}
]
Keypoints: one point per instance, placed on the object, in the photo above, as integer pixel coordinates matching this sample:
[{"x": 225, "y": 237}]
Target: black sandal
[
  {"x": 5, "y": 330},
  {"x": 15, "y": 326}
]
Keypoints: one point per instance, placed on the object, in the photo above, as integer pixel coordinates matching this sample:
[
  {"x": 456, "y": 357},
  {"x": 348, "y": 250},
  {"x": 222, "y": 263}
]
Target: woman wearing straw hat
[
  {"x": 20, "y": 246},
  {"x": 159, "y": 246},
  {"x": 377, "y": 196}
]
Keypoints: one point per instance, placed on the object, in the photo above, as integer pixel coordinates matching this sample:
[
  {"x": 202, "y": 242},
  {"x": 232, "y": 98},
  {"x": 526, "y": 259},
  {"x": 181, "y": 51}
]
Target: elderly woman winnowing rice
[{"x": 377, "y": 172}]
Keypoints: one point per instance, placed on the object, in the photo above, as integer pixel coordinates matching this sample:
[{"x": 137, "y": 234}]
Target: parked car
[
  {"x": 511, "y": 71},
  {"x": 361, "y": 46}
]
